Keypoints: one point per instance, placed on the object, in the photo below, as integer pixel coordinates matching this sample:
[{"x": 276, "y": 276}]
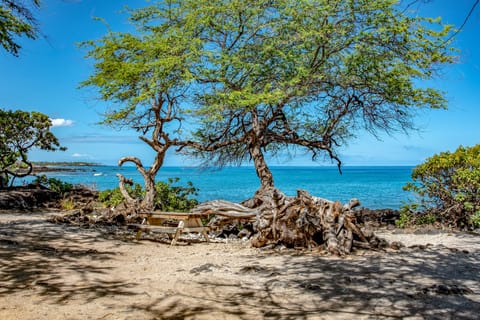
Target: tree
[
  {"x": 16, "y": 20},
  {"x": 20, "y": 132},
  {"x": 264, "y": 76},
  {"x": 308, "y": 74},
  {"x": 146, "y": 76},
  {"x": 449, "y": 187}
]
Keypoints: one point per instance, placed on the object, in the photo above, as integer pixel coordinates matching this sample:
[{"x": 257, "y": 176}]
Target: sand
[{"x": 52, "y": 271}]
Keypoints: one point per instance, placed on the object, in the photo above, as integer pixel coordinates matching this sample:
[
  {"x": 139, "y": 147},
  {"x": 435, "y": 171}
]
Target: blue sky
[{"x": 45, "y": 78}]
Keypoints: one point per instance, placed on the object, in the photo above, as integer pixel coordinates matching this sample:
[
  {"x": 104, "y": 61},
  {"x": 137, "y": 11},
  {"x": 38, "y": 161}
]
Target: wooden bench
[{"x": 173, "y": 223}]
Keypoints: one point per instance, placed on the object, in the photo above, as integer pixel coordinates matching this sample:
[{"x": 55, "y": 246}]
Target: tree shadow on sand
[
  {"x": 56, "y": 264},
  {"x": 425, "y": 283}
]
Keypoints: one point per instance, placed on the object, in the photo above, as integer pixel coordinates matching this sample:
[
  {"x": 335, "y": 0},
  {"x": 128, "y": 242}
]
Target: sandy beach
[{"x": 50, "y": 271}]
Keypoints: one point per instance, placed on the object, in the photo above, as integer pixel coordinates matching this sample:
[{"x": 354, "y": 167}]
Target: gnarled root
[
  {"x": 306, "y": 221},
  {"x": 302, "y": 221}
]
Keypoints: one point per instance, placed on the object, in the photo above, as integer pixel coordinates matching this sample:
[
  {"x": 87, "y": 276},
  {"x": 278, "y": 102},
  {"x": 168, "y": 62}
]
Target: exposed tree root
[{"x": 302, "y": 221}]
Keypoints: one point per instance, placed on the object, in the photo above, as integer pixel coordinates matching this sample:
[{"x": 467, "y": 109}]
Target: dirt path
[{"x": 55, "y": 272}]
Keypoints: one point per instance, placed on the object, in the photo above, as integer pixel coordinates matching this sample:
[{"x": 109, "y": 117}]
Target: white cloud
[
  {"x": 61, "y": 123},
  {"x": 80, "y": 155}
]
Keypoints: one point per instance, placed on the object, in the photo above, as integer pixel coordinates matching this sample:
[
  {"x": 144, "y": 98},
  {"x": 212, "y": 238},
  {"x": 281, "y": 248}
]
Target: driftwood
[
  {"x": 227, "y": 209},
  {"x": 302, "y": 221},
  {"x": 226, "y": 214}
]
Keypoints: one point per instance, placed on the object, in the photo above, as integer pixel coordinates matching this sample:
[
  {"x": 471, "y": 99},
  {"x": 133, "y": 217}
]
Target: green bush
[
  {"x": 53, "y": 184},
  {"x": 449, "y": 188},
  {"x": 405, "y": 219},
  {"x": 113, "y": 197},
  {"x": 168, "y": 197},
  {"x": 475, "y": 219},
  {"x": 175, "y": 198}
]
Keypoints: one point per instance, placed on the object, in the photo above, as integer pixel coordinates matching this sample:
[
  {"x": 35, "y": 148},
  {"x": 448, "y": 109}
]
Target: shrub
[
  {"x": 449, "y": 187},
  {"x": 174, "y": 198},
  {"x": 53, "y": 184},
  {"x": 404, "y": 219},
  {"x": 169, "y": 197},
  {"x": 67, "y": 204},
  {"x": 113, "y": 197},
  {"x": 475, "y": 219}
]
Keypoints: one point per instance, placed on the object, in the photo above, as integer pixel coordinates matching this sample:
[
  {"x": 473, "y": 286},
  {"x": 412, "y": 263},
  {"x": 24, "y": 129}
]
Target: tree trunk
[
  {"x": 149, "y": 182},
  {"x": 148, "y": 201},
  {"x": 261, "y": 167},
  {"x": 122, "y": 181},
  {"x": 255, "y": 149}
]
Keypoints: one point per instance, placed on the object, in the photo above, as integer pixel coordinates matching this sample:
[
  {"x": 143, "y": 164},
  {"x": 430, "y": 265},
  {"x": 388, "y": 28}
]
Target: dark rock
[
  {"x": 36, "y": 197},
  {"x": 119, "y": 219},
  {"x": 378, "y": 217},
  {"x": 22, "y": 198}
]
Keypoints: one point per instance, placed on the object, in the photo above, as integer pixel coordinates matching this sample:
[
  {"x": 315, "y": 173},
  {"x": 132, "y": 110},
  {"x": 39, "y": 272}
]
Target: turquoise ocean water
[{"x": 375, "y": 187}]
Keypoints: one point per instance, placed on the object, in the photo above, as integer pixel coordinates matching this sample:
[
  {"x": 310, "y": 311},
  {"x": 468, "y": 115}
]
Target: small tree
[
  {"x": 16, "y": 19},
  {"x": 449, "y": 187},
  {"x": 146, "y": 76},
  {"x": 20, "y": 132}
]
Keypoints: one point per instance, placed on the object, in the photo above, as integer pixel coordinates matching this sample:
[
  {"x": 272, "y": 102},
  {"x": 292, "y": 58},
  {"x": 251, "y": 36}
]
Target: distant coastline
[
  {"x": 65, "y": 164},
  {"x": 42, "y": 166}
]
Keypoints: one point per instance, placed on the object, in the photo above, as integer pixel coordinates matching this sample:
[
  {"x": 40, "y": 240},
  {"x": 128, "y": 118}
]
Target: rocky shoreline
[{"x": 36, "y": 197}]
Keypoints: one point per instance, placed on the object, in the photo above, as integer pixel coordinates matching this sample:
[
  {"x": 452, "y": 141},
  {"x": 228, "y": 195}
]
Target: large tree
[
  {"x": 16, "y": 20},
  {"x": 145, "y": 76},
  {"x": 263, "y": 76},
  {"x": 310, "y": 74},
  {"x": 20, "y": 132}
]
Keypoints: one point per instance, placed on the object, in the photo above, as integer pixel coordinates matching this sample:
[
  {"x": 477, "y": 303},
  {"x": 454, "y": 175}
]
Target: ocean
[{"x": 376, "y": 187}]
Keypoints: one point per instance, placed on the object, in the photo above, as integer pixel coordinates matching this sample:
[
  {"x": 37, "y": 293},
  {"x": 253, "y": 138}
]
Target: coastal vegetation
[
  {"x": 168, "y": 196},
  {"x": 20, "y": 132},
  {"x": 53, "y": 184},
  {"x": 448, "y": 186}
]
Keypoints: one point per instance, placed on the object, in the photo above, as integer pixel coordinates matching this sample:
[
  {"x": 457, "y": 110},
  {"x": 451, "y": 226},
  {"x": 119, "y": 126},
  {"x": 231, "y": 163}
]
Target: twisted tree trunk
[
  {"x": 261, "y": 167},
  {"x": 255, "y": 150},
  {"x": 148, "y": 201}
]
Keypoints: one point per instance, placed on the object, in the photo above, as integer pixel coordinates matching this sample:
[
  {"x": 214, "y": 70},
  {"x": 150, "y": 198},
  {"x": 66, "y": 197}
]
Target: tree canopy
[
  {"x": 262, "y": 77},
  {"x": 146, "y": 75},
  {"x": 309, "y": 74},
  {"x": 16, "y": 20},
  {"x": 20, "y": 132}
]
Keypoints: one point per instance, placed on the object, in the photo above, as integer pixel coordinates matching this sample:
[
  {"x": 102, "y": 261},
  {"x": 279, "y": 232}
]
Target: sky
[{"x": 46, "y": 75}]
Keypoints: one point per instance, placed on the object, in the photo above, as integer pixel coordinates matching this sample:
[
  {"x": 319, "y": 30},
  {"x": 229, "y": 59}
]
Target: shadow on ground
[
  {"x": 420, "y": 283},
  {"x": 36, "y": 255}
]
